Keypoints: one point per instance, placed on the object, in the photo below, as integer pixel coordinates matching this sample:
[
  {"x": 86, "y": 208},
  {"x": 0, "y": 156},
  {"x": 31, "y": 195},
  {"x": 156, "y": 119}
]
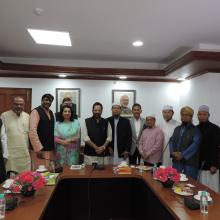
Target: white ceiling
[{"x": 105, "y": 29}]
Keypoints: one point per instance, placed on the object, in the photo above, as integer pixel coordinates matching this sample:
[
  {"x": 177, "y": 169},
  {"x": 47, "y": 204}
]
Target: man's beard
[
  {"x": 18, "y": 111},
  {"x": 116, "y": 115},
  {"x": 46, "y": 106},
  {"x": 168, "y": 119},
  {"x": 185, "y": 123},
  {"x": 97, "y": 115}
]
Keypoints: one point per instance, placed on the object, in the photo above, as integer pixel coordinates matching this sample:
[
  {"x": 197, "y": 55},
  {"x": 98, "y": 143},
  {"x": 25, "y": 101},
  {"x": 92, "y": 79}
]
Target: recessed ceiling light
[
  {"x": 50, "y": 37},
  {"x": 185, "y": 75},
  {"x": 62, "y": 75},
  {"x": 123, "y": 77},
  {"x": 137, "y": 43},
  {"x": 38, "y": 11},
  {"x": 181, "y": 79}
]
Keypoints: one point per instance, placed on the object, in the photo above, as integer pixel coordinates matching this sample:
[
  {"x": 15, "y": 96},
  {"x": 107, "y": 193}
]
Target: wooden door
[{"x": 7, "y": 95}]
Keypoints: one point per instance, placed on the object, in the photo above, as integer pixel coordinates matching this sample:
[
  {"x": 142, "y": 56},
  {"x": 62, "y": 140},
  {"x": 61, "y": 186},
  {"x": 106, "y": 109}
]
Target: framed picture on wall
[
  {"x": 126, "y": 98},
  {"x": 72, "y": 93}
]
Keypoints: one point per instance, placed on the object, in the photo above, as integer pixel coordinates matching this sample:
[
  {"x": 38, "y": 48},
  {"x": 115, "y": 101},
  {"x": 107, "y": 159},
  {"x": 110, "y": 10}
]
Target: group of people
[{"x": 28, "y": 141}]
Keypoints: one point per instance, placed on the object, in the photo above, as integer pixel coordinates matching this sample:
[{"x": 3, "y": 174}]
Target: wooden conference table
[{"x": 93, "y": 194}]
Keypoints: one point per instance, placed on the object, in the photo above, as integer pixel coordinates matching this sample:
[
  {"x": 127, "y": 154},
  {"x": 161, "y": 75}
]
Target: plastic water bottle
[
  {"x": 154, "y": 169},
  {"x": 203, "y": 203},
  {"x": 2, "y": 206},
  {"x": 137, "y": 161},
  {"x": 52, "y": 166},
  {"x": 141, "y": 168}
]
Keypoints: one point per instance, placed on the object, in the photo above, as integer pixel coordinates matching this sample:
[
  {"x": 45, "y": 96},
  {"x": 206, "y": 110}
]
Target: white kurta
[
  {"x": 16, "y": 128},
  {"x": 210, "y": 180},
  {"x": 167, "y": 128}
]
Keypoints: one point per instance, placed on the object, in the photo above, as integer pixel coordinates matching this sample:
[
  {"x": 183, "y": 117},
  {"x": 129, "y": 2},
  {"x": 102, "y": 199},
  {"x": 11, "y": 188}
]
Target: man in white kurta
[
  {"x": 16, "y": 123},
  {"x": 167, "y": 126}
]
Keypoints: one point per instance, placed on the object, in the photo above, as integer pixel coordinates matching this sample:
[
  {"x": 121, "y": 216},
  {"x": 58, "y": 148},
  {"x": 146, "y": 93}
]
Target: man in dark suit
[
  {"x": 137, "y": 124},
  {"x": 67, "y": 101},
  {"x": 120, "y": 145}
]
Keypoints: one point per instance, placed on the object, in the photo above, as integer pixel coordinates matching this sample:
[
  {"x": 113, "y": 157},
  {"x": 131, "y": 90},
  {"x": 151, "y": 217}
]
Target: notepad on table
[{"x": 50, "y": 178}]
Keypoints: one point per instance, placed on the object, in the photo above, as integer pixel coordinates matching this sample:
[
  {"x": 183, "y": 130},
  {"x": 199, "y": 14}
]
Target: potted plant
[
  {"x": 168, "y": 176},
  {"x": 27, "y": 183}
]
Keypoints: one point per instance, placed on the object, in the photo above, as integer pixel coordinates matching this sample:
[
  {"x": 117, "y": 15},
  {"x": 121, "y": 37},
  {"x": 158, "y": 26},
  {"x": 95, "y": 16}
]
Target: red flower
[
  {"x": 16, "y": 188},
  {"x": 163, "y": 174},
  {"x": 29, "y": 188},
  {"x": 28, "y": 179}
]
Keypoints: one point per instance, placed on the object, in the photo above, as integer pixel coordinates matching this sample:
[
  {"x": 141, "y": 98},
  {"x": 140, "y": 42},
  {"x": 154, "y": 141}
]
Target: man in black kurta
[
  {"x": 120, "y": 145},
  {"x": 41, "y": 132},
  {"x": 96, "y": 135},
  {"x": 209, "y": 150}
]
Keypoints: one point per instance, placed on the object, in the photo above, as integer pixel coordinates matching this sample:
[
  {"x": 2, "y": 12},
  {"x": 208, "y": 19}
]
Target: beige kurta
[{"x": 16, "y": 128}]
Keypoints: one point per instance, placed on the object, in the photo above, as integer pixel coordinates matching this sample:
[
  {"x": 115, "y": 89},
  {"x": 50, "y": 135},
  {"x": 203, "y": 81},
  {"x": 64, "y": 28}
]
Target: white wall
[
  {"x": 201, "y": 90},
  {"x": 151, "y": 95}
]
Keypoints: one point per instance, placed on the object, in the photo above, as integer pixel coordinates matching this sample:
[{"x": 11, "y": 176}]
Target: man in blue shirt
[{"x": 184, "y": 144}]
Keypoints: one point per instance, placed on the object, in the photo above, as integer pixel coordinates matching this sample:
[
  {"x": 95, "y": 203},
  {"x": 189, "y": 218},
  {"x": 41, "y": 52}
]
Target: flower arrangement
[
  {"x": 167, "y": 174},
  {"x": 27, "y": 182}
]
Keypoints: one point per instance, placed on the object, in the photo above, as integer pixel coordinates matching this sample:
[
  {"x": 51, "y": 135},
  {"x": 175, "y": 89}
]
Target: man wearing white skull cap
[
  {"x": 209, "y": 150},
  {"x": 167, "y": 126}
]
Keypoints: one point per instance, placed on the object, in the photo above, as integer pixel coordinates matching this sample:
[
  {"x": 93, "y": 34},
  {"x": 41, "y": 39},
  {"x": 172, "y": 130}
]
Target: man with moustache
[
  {"x": 41, "y": 132},
  {"x": 209, "y": 149},
  {"x": 16, "y": 123},
  {"x": 137, "y": 123},
  {"x": 167, "y": 126},
  {"x": 97, "y": 134},
  {"x": 120, "y": 145}
]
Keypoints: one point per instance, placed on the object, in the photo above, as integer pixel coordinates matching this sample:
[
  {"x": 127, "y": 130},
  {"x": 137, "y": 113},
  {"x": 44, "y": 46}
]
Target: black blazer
[{"x": 123, "y": 135}]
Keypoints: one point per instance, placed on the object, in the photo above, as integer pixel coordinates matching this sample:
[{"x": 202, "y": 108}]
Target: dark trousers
[
  {"x": 151, "y": 164},
  {"x": 187, "y": 169},
  {"x": 2, "y": 170},
  {"x": 135, "y": 158}
]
